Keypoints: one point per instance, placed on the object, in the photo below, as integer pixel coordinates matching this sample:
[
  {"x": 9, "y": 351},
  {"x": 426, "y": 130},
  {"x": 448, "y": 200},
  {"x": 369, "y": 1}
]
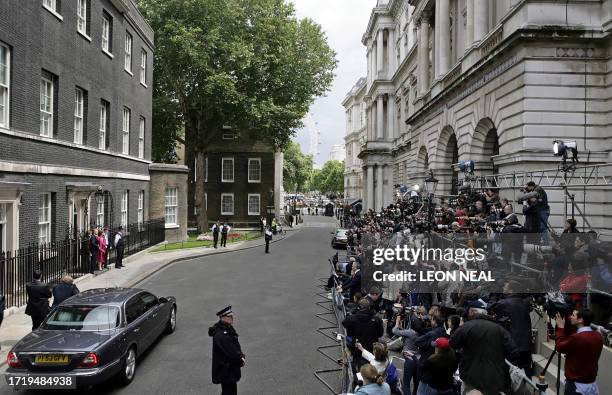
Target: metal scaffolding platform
[{"x": 576, "y": 177}]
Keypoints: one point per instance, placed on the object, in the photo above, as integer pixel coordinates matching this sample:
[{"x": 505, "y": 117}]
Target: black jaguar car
[{"x": 93, "y": 336}]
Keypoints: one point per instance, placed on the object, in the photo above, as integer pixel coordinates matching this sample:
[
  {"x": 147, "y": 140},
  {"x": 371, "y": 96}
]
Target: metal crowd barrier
[{"x": 339, "y": 312}]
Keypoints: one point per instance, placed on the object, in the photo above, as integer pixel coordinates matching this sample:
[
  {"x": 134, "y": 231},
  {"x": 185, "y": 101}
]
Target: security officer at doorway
[{"x": 227, "y": 356}]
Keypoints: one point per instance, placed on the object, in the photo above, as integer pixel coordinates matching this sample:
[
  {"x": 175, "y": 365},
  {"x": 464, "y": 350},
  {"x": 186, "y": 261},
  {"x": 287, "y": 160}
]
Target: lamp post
[
  {"x": 431, "y": 183},
  {"x": 270, "y": 206}
]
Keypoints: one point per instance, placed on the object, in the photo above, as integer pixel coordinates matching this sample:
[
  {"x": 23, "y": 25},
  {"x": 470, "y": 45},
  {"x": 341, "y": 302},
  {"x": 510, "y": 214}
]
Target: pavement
[{"x": 138, "y": 268}]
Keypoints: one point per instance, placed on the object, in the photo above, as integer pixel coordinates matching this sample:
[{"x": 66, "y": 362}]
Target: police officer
[
  {"x": 215, "y": 231},
  {"x": 227, "y": 357},
  {"x": 268, "y": 238},
  {"x": 224, "y": 231}
]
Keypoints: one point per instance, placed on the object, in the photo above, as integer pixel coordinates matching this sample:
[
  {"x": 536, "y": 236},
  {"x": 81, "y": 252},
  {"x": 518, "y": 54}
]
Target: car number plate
[{"x": 55, "y": 359}]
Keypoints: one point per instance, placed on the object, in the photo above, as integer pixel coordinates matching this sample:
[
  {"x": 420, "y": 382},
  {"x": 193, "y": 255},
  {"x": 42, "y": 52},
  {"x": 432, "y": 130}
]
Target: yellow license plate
[{"x": 51, "y": 359}]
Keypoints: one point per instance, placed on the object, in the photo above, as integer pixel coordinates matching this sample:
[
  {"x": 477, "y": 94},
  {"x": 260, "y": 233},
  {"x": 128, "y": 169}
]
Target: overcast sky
[{"x": 344, "y": 22}]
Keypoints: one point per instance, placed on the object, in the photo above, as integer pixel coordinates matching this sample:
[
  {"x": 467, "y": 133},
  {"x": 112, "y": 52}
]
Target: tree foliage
[
  {"x": 247, "y": 64},
  {"x": 329, "y": 179},
  {"x": 298, "y": 168}
]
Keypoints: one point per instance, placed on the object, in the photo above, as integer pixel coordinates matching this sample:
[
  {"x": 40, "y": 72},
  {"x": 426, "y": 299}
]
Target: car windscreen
[
  {"x": 83, "y": 318},
  {"x": 341, "y": 233}
]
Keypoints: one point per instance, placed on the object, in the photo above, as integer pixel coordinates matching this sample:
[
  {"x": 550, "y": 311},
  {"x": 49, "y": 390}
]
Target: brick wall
[{"x": 173, "y": 176}]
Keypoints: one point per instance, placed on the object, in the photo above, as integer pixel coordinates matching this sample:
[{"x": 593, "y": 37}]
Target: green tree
[
  {"x": 247, "y": 64},
  {"x": 297, "y": 168},
  {"x": 329, "y": 179}
]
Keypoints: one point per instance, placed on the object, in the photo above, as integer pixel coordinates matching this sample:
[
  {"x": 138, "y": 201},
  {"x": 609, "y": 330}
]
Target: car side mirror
[
  {"x": 163, "y": 300},
  {"x": 331, "y": 233}
]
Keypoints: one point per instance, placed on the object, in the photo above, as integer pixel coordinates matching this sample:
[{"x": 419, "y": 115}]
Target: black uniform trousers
[
  {"x": 229, "y": 388},
  {"x": 215, "y": 239},
  {"x": 267, "y": 246},
  {"x": 223, "y": 239}
]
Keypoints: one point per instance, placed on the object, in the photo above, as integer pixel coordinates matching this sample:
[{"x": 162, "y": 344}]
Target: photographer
[
  {"x": 410, "y": 352},
  {"x": 363, "y": 327},
  {"x": 541, "y": 210},
  {"x": 516, "y": 309},
  {"x": 485, "y": 345},
  {"x": 582, "y": 350}
]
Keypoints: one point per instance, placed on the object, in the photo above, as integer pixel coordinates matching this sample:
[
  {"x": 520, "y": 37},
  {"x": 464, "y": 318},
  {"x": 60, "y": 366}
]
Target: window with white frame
[
  {"x": 46, "y": 107},
  {"x": 227, "y": 204},
  {"x": 44, "y": 218},
  {"x": 100, "y": 211},
  {"x": 124, "y": 208},
  {"x": 206, "y": 170},
  {"x": 51, "y": 5},
  {"x": 143, "y": 67},
  {"x": 128, "y": 53},
  {"x": 254, "y": 170},
  {"x": 227, "y": 169},
  {"x": 79, "y": 99},
  {"x": 254, "y": 203},
  {"x": 3, "y": 227},
  {"x": 127, "y": 113},
  {"x": 171, "y": 205},
  {"x": 5, "y": 81},
  {"x": 104, "y": 122},
  {"x": 5, "y": 84},
  {"x": 82, "y": 16},
  {"x": 141, "y": 138},
  {"x": 107, "y": 23},
  {"x": 140, "y": 209}
]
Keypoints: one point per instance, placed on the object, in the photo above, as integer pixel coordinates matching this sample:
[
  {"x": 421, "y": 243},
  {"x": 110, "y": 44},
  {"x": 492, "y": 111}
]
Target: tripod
[{"x": 552, "y": 355}]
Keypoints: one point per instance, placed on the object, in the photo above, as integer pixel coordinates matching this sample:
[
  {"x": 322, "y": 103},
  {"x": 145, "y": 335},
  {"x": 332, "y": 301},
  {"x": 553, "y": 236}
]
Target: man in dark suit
[
  {"x": 227, "y": 357},
  {"x": 353, "y": 284},
  {"x": 119, "y": 248},
  {"x": 38, "y": 300},
  {"x": 93, "y": 248}
]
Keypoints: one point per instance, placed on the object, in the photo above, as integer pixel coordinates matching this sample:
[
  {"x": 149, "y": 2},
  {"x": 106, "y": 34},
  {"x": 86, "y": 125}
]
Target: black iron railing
[{"x": 66, "y": 257}]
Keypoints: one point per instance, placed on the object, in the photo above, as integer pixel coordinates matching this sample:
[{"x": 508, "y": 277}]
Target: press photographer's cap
[
  {"x": 225, "y": 312},
  {"x": 442, "y": 343},
  {"x": 477, "y": 304}
]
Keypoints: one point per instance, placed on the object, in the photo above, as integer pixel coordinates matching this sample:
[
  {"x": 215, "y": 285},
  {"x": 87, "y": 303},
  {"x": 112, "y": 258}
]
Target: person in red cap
[{"x": 436, "y": 372}]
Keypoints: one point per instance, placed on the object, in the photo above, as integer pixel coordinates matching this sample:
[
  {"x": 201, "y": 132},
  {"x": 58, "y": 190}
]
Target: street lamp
[{"x": 431, "y": 183}]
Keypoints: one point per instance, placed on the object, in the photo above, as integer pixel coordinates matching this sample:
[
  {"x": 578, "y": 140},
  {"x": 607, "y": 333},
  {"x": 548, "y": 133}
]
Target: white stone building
[
  {"x": 355, "y": 136},
  {"x": 338, "y": 152},
  {"x": 491, "y": 81}
]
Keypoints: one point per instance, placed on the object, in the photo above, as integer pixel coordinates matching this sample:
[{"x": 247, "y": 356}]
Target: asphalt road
[{"x": 273, "y": 299}]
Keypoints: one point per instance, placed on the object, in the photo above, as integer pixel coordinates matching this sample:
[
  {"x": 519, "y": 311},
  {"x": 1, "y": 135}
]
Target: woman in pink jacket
[{"x": 101, "y": 249}]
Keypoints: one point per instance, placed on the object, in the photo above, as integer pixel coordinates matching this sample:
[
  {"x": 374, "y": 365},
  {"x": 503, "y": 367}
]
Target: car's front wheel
[
  {"x": 171, "y": 325},
  {"x": 128, "y": 369}
]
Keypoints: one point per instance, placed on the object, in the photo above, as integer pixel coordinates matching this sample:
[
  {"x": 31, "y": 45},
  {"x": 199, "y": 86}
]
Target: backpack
[{"x": 390, "y": 376}]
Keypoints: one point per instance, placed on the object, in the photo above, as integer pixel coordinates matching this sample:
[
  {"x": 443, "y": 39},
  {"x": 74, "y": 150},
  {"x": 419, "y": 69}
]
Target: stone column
[
  {"x": 379, "y": 118},
  {"x": 379, "y": 187},
  {"x": 469, "y": 25},
  {"x": 444, "y": 41},
  {"x": 370, "y": 187},
  {"x": 436, "y": 44},
  {"x": 389, "y": 189},
  {"x": 379, "y": 52},
  {"x": 391, "y": 53},
  {"x": 390, "y": 118},
  {"x": 481, "y": 19},
  {"x": 369, "y": 65},
  {"x": 424, "y": 53}
]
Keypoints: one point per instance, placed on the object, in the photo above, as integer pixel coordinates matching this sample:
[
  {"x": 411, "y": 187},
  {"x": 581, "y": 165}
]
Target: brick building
[
  {"x": 242, "y": 179},
  {"x": 75, "y": 117}
]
